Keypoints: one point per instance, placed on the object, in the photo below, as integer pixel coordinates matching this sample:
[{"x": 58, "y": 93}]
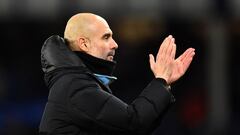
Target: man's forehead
[
  {"x": 104, "y": 29},
  {"x": 99, "y": 26},
  {"x": 108, "y": 31}
]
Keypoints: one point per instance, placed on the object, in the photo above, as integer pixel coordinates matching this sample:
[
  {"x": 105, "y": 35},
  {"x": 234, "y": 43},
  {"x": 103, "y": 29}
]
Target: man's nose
[{"x": 114, "y": 44}]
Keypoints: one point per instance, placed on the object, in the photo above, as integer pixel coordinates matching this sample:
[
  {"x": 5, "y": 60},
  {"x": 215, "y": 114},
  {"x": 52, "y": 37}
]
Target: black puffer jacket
[{"x": 79, "y": 104}]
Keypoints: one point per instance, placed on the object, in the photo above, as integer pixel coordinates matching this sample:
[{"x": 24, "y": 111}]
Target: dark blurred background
[{"x": 207, "y": 95}]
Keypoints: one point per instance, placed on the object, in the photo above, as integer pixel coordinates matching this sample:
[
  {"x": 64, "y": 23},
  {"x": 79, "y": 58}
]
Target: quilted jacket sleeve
[{"x": 92, "y": 108}]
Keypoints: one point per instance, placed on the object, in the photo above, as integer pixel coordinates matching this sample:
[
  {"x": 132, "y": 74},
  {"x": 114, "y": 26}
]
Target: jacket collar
[
  {"x": 56, "y": 56},
  {"x": 97, "y": 65}
]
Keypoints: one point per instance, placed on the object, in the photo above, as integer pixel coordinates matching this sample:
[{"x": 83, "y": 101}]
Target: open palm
[
  {"x": 166, "y": 66},
  {"x": 181, "y": 64}
]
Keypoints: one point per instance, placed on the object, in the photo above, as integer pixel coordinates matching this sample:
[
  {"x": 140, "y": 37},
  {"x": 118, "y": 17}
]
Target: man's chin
[{"x": 110, "y": 58}]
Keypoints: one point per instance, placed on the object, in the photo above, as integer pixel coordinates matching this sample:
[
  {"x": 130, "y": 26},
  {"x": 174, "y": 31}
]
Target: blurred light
[
  {"x": 193, "y": 110},
  {"x": 4, "y": 7},
  {"x": 235, "y": 4},
  {"x": 151, "y": 8},
  {"x": 194, "y": 8},
  {"x": 145, "y": 7},
  {"x": 135, "y": 30},
  {"x": 99, "y": 4},
  {"x": 28, "y": 113},
  {"x": 42, "y": 8},
  {"x": 218, "y": 82}
]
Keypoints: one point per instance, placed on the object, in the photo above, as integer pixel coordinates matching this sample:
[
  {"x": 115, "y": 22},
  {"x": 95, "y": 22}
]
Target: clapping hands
[{"x": 166, "y": 66}]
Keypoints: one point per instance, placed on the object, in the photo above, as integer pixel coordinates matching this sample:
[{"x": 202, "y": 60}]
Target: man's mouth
[{"x": 111, "y": 55}]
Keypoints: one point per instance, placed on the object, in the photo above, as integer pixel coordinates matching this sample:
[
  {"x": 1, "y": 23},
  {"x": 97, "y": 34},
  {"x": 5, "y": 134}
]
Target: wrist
[
  {"x": 167, "y": 87},
  {"x": 164, "y": 82},
  {"x": 164, "y": 78}
]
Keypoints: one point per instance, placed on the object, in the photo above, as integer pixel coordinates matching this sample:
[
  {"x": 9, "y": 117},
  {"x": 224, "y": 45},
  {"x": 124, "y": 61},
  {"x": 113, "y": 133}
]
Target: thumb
[{"x": 151, "y": 61}]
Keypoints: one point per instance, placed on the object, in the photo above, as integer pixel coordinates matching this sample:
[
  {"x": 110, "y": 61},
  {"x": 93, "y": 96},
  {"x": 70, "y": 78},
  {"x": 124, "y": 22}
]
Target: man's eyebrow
[{"x": 107, "y": 35}]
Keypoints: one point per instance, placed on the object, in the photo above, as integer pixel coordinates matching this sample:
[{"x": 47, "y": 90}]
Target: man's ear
[{"x": 83, "y": 44}]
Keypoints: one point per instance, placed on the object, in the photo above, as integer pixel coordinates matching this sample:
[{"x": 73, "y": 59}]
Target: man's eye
[{"x": 106, "y": 37}]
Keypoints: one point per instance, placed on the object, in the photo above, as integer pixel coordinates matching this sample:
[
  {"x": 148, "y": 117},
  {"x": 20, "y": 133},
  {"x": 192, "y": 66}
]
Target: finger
[
  {"x": 183, "y": 56},
  {"x": 151, "y": 61},
  {"x": 188, "y": 59},
  {"x": 163, "y": 45},
  {"x": 167, "y": 45},
  {"x": 189, "y": 54},
  {"x": 164, "y": 48},
  {"x": 173, "y": 53},
  {"x": 170, "y": 48},
  {"x": 187, "y": 62}
]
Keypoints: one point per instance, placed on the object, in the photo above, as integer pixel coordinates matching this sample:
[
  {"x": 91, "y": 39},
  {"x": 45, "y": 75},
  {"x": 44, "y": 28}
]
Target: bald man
[
  {"x": 78, "y": 70},
  {"x": 91, "y": 34}
]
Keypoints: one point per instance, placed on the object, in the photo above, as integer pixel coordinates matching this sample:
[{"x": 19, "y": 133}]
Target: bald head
[
  {"x": 81, "y": 25},
  {"x": 91, "y": 34}
]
